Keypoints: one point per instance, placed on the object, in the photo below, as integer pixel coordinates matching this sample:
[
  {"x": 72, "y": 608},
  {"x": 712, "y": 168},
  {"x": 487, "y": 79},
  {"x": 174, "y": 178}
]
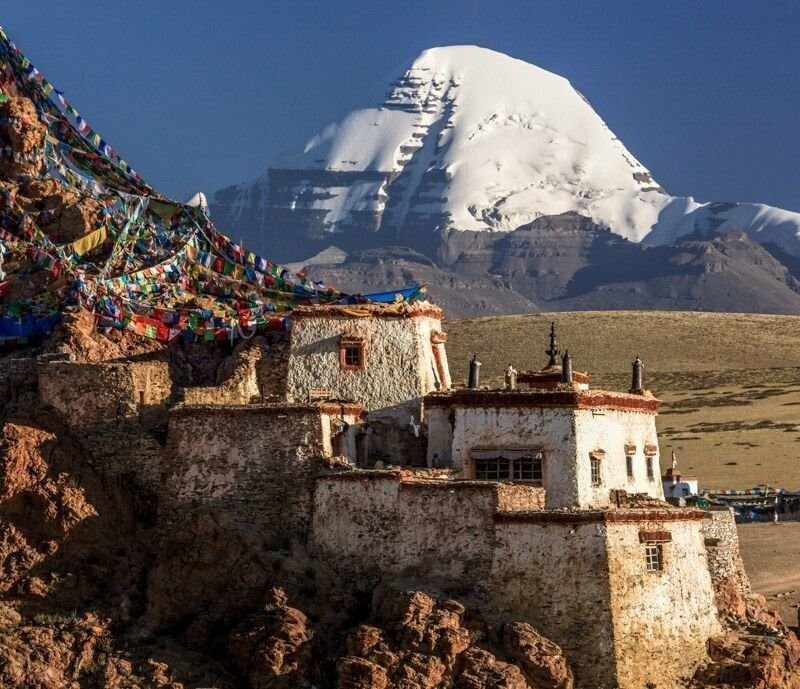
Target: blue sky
[{"x": 198, "y": 94}]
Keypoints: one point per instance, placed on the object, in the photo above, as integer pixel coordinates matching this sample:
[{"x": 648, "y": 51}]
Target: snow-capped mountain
[{"x": 470, "y": 140}]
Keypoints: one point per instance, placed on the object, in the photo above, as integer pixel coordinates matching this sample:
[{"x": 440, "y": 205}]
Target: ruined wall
[
  {"x": 254, "y": 464},
  {"x": 611, "y": 430},
  {"x": 90, "y": 393},
  {"x": 117, "y": 411},
  {"x": 662, "y": 619},
  {"x": 555, "y": 576},
  {"x": 728, "y": 576},
  {"x": 375, "y": 524}
]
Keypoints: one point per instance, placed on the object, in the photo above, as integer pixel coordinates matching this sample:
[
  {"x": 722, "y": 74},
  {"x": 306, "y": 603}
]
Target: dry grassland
[
  {"x": 771, "y": 554},
  {"x": 730, "y": 383}
]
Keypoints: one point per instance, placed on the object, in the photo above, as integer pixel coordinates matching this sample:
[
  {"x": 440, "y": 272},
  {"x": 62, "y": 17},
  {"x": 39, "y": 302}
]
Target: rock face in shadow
[{"x": 568, "y": 263}]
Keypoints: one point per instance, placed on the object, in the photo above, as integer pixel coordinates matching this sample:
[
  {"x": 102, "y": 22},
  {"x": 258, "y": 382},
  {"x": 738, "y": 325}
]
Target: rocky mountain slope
[
  {"x": 563, "y": 263},
  {"x": 470, "y": 140}
]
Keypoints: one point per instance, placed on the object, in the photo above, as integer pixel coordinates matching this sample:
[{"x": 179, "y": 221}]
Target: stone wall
[
  {"x": 117, "y": 412},
  {"x": 662, "y": 619},
  {"x": 731, "y": 585},
  {"x": 518, "y": 497},
  {"x": 17, "y": 376},
  {"x": 254, "y": 464},
  {"x": 398, "y": 369}
]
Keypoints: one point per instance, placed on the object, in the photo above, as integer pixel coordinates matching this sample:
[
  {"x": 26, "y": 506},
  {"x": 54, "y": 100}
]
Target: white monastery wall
[
  {"x": 611, "y": 431},
  {"x": 662, "y": 619},
  {"x": 545, "y": 428},
  {"x": 555, "y": 576},
  {"x": 398, "y": 361},
  {"x": 398, "y": 370}
]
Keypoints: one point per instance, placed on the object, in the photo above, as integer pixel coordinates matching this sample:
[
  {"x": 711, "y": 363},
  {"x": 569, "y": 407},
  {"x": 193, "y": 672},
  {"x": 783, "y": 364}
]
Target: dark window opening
[
  {"x": 351, "y": 353},
  {"x": 654, "y": 557},
  {"x": 509, "y": 465},
  {"x": 650, "y": 468},
  {"x": 493, "y": 469},
  {"x": 629, "y": 466},
  {"x": 352, "y": 356}
]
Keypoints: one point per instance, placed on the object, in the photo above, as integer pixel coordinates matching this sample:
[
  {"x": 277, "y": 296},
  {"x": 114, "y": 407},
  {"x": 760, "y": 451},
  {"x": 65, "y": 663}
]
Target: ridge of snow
[{"x": 492, "y": 142}]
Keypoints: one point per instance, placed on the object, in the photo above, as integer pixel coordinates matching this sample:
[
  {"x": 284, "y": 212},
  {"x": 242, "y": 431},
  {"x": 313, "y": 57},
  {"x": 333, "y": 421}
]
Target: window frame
[
  {"x": 518, "y": 465},
  {"x": 347, "y": 344},
  {"x": 654, "y": 556},
  {"x": 596, "y": 470}
]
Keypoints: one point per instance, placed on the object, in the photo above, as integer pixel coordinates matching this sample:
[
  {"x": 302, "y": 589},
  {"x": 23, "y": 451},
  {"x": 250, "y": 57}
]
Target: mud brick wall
[
  {"x": 374, "y": 524},
  {"x": 254, "y": 464},
  {"x": 17, "y": 377}
]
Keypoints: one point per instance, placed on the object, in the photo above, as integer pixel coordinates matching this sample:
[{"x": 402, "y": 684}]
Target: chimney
[
  {"x": 566, "y": 368},
  {"x": 637, "y": 380},
  {"x": 474, "y": 373}
]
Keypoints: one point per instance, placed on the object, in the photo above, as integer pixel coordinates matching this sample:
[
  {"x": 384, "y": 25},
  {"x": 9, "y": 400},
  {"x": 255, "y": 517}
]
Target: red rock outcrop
[{"x": 419, "y": 641}]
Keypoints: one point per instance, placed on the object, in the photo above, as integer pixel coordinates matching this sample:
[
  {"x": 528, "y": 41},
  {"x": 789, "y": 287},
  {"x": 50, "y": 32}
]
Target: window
[
  {"x": 351, "y": 353},
  {"x": 650, "y": 475},
  {"x": 508, "y": 464},
  {"x": 352, "y": 356},
  {"x": 596, "y": 478},
  {"x": 492, "y": 469},
  {"x": 629, "y": 465},
  {"x": 654, "y": 557},
  {"x": 528, "y": 468}
]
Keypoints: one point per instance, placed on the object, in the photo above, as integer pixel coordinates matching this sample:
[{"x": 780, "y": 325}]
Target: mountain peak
[{"x": 470, "y": 139}]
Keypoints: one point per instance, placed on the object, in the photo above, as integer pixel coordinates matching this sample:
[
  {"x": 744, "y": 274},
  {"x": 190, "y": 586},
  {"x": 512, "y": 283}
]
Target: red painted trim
[
  {"x": 574, "y": 399},
  {"x": 607, "y": 516},
  {"x": 416, "y": 310}
]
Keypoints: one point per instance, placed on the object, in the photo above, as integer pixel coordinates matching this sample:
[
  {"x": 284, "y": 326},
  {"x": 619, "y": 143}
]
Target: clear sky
[{"x": 199, "y": 94}]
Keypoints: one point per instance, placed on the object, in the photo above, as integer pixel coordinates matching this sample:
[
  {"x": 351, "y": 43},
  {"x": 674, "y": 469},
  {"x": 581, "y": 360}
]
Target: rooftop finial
[{"x": 552, "y": 351}]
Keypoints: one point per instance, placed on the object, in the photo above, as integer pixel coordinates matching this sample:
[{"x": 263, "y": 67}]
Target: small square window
[
  {"x": 629, "y": 465},
  {"x": 654, "y": 557},
  {"x": 351, "y": 353},
  {"x": 596, "y": 477},
  {"x": 352, "y": 356}
]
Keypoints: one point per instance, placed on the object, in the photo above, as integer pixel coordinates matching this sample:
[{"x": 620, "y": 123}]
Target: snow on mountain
[{"x": 471, "y": 139}]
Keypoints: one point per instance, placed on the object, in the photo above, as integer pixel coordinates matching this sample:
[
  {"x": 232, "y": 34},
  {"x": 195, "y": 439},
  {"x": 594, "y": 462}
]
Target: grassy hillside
[{"x": 730, "y": 383}]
